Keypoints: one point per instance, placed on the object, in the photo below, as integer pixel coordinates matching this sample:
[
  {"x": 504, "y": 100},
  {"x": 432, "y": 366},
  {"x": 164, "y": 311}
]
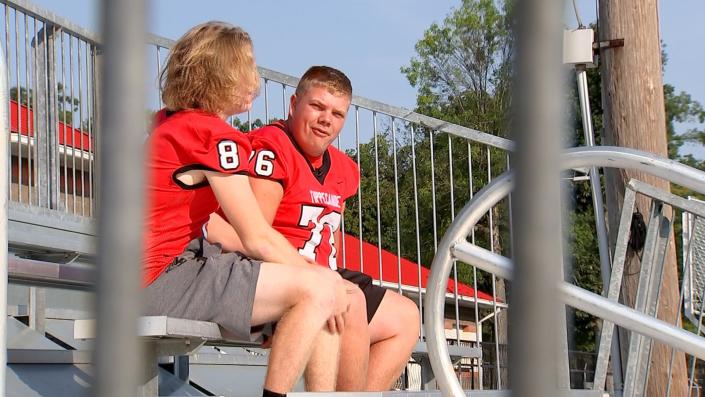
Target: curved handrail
[{"x": 485, "y": 199}]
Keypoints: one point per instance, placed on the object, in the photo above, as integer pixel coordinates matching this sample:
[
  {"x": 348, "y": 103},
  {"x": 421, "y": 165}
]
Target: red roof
[
  {"x": 67, "y": 134},
  {"x": 390, "y": 273}
]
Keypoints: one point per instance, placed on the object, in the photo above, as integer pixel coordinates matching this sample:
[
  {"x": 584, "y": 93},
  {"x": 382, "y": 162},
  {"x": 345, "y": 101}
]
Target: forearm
[{"x": 271, "y": 246}]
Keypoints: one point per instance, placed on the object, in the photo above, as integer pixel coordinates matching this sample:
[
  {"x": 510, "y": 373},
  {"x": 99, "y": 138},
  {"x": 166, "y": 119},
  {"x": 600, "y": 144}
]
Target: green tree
[
  {"x": 462, "y": 71},
  {"x": 66, "y": 104}
]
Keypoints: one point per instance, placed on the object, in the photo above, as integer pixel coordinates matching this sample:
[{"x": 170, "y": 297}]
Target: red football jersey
[
  {"x": 183, "y": 141},
  {"x": 311, "y": 208}
]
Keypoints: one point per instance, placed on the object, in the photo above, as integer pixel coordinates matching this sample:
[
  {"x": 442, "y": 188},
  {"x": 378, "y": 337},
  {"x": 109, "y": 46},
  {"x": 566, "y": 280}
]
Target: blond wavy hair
[{"x": 211, "y": 68}]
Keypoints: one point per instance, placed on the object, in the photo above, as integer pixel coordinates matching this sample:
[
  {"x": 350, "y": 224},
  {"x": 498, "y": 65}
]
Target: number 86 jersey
[{"x": 311, "y": 208}]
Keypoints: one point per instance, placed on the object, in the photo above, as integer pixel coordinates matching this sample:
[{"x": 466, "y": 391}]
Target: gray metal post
[
  {"x": 45, "y": 129},
  {"x": 598, "y": 205},
  {"x": 535, "y": 309},
  {"x": 37, "y": 308},
  {"x": 427, "y": 378},
  {"x": 4, "y": 193},
  {"x": 118, "y": 353}
]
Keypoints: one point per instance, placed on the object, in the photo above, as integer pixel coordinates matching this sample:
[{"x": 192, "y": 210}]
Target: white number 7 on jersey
[{"x": 311, "y": 214}]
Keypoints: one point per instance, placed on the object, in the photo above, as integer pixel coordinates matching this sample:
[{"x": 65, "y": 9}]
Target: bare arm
[
  {"x": 268, "y": 195},
  {"x": 242, "y": 211}
]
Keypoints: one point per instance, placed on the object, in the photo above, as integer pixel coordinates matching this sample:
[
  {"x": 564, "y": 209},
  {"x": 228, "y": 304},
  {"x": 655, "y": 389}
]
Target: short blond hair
[
  {"x": 211, "y": 67},
  {"x": 335, "y": 81}
]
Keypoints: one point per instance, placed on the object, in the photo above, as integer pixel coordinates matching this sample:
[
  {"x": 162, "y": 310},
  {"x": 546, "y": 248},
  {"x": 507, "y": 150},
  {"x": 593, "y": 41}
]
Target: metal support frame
[
  {"x": 490, "y": 195},
  {"x": 654, "y": 254},
  {"x": 46, "y": 134},
  {"x": 599, "y": 210},
  {"x": 613, "y": 288},
  {"x": 37, "y": 309},
  {"x": 121, "y": 211}
]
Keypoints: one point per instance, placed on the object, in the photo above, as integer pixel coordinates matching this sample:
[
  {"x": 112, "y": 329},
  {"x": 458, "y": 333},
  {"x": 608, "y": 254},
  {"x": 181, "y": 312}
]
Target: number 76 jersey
[{"x": 311, "y": 208}]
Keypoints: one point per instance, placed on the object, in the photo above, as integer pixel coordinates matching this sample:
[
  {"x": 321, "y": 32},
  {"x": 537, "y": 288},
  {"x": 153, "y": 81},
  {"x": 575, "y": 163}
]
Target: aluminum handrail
[
  {"x": 271, "y": 75},
  {"x": 475, "y": 209}
]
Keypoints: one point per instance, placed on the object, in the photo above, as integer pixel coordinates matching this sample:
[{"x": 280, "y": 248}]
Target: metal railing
[
  {"x": 53, "y": 109},
  {"x": 415, "y": 170},
  {"x": 641, "y": 322}
]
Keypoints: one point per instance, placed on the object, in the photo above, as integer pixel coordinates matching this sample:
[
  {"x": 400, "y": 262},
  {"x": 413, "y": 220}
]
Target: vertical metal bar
[
  {"x": 97, "y": 63},
  {"x": 396, "y": 204},
  {"x": 44, "y": 106},
  {"x": 511, "y": 225},
  {"x": 9, "y": 105},
  {"x": 249, "y": 121},
  {"x": 266, "y": 103},
  {"x": 37, "y": 309},
  {"x": 598, "y": 207},
  {"x": 646, "y": 300},
  {"x": 285, "y": 113},
  {"x": 687, "y": 264},
  {"x": 80, "y": 126},
  {"x": 89, "y": 121},
  {"x": 603, "y": 245},
  {"x": 158, "y": 82},
  {"x": 65, "y": 144},
  {"x": 433, "y": 192},
  {"x": 495, "y": 324},
  {"x": 478, "y": 331},
  {"x": 359, "y": 187},
  {"x": 4, "y": 198},
  {"x": 19, "y": 108},
  {"x": 66, "y": 123},
  {"x": 455, "y": 263},
  {"x": 28, "y": 104},
  {"x": 615, "y": 283},
  {"x": 341, "y": 250},
  {"x": 36, "y": 113},
  {"x": 379, "y": 215},
  {"x": 694, "y": 360},
  {"x": 416, "y": 223},
  {"x": 52, "y": 124},
  {"x": 537, "y": 129},
  {"x": 121, "y": 210}
]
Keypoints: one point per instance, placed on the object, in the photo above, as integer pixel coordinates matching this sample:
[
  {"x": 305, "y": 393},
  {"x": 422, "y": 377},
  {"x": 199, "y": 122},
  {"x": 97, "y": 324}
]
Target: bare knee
[
  {"x": 410, "y": 317},
  {"x": 399, "y": 319},
  {"x": 318, "y": 288},
  {"x": 356, "y": 318}
]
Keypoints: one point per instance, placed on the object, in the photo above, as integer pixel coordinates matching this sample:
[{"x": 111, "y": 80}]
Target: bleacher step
[{"x": 437, "y": 393}]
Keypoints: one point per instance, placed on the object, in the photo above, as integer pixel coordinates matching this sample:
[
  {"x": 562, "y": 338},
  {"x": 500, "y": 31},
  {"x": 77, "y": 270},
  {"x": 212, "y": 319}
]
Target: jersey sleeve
[
  {"x": 268, "y": 160},
  {"x": 225, "y": 151}
]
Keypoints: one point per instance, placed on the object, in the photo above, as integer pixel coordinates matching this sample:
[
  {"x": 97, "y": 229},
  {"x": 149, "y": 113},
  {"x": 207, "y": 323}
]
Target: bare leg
[
  {"x": 394, "y": 330},
  {"x": 302, "y": 299},
  {"x": 355, "y": 346},
  {"x": 322, "y": 368}
]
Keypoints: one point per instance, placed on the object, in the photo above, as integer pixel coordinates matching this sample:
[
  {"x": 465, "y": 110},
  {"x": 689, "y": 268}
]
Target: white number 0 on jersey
[{"x": 311, "y": 214}]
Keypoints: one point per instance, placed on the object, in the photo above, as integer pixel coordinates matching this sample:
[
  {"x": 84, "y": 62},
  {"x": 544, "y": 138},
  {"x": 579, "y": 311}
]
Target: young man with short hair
[{"x": 301, "y": 183}]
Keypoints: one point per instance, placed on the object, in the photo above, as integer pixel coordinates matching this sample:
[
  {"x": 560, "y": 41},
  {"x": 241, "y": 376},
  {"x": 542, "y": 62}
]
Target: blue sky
[{"x": 371, "y": 39}]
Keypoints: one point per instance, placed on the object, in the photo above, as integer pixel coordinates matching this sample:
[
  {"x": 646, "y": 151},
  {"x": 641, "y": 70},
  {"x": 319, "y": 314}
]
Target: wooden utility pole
[{"x": 634, "y": 116}]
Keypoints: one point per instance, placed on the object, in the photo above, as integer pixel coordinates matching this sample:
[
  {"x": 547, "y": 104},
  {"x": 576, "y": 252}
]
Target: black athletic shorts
[{"x": 373, "y": 293}]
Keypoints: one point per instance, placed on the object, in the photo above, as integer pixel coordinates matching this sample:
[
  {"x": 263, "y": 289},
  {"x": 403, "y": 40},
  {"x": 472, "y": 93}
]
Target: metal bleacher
[{"x": 52, "y": 228}]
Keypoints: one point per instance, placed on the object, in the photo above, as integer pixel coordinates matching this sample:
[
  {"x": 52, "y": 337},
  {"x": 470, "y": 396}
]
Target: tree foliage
[
  {"x": 66, "y": 104},
  {"x": 462, "y": 71}
]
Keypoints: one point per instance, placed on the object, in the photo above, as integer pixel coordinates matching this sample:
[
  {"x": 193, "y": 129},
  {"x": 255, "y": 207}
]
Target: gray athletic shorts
[{"x": 204, "y": 283}]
